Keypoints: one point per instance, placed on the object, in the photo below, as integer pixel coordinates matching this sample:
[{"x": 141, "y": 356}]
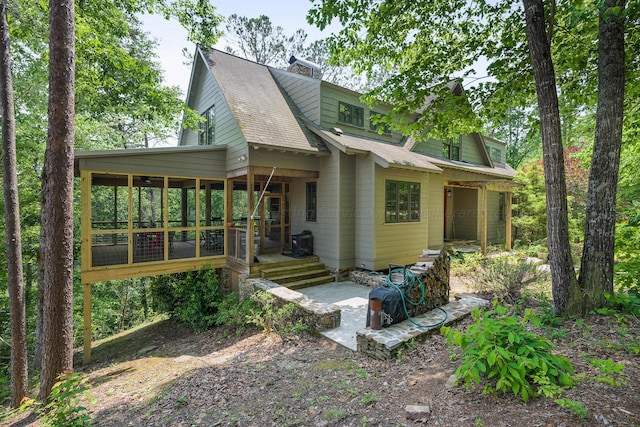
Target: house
[
  {"x": 284, "y": 162},
  {"x": 369, "y": 198}
]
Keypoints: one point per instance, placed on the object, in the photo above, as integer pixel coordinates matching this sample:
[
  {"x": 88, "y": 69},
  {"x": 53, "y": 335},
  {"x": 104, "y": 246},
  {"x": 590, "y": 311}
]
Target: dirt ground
[{"x": 164, "y": 375}]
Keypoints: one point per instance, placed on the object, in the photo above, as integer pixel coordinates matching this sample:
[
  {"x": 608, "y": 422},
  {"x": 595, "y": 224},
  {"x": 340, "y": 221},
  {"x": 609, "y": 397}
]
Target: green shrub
[
  {"x": 464, "y": 264},
  {"x": 273, "y": 316},
  {"x": 627, "y": 267},
  {"x": 234, "y": 312},
  {"x": 505, "y": 276},
  {"x": 64, "y": 409},
  {"x": 191, "y": 297},
  {"x": 500, "y": 354}
]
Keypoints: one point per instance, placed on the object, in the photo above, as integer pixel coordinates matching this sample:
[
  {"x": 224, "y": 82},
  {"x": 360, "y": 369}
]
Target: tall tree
[
  {"x": 596, "y": 272},
  {"x": 566, "y": 293},
  {"x": 259, "y": 40},
  {"x": 57, "y": 204},
  {"x": 19, "y": 378}
]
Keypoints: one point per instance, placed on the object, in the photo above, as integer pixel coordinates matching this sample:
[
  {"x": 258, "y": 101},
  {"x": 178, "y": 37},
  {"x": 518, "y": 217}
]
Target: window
[
  {"x": 350, "y": 114},
  {"x": 496, "y": 154},
  {"x": 312, "y": 201},
  {"x": 402, "y": 201},
  {"x": 451, "y": 148},
  {"x": 207, "y": 133},
  {"x": 378, "y": 126},
  {"x": 502, "y": 206}
]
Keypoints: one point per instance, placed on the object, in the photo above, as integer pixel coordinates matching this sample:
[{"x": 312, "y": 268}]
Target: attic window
[
  {"x": 496, "y": 154},
  {"x": 350, "y": 114},
  {"x": 207, "y": 133},
  {"x": 451, "y": 148}
]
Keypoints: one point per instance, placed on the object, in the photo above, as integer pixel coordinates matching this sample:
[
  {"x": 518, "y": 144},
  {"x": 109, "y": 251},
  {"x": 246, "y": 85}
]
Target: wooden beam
[
  {"x": 483, "y": 219},
  {"x": 250, "y": 224},
  {"x": 508, "y": 201},
  {"x": 144, "y": 269},
  {"x": 86, "y": 340}
]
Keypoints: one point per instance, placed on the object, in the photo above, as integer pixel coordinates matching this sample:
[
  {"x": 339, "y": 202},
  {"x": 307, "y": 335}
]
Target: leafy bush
[
  {"x": 627, "y": 268},
  {"x": 505, "y": 276},
  {"x": 498, "y": 352},
  {"x": 64, "y": 409},
  {"x": 273, "y": 316},
  {"x": 192, "y": 297},
  {"x": 464, "y": 264}
]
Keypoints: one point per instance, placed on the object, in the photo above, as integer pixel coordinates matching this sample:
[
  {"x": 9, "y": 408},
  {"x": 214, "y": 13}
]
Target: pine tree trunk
[
  {"x": 19, "y": 374},
  {"x": 596, "y": 272},
  {"x": 567, "y": 299},
  {"x": 57, "y": 208}
]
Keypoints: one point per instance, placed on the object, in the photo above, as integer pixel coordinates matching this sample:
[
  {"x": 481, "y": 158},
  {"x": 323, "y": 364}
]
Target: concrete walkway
[{"x": 353, "y": 300}]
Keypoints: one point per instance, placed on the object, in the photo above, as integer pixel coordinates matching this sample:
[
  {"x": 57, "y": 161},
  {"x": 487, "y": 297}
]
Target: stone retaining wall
[
  {"x": 433, "y": 272},
  {"x": 317, "y": 315}
]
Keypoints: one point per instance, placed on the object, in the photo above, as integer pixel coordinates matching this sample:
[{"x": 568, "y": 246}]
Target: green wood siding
[
  {"x": 303, "y": 90},
  {"x": 400, "y": 243},
  {"x": 205, "y": 93},
  {"x": 365, "y": 189},
  {"x": 435, "y": 211},
  {"x": 331, "y": 96},
  {"x": 204, "y": 164}
]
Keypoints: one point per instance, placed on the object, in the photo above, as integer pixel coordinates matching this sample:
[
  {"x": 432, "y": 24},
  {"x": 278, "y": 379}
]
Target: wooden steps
[{"x": 298, "y": 274}]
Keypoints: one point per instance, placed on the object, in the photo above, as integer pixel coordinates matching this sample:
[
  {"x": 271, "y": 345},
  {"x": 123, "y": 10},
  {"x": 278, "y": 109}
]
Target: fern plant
[{"x": 500, "y": 354}]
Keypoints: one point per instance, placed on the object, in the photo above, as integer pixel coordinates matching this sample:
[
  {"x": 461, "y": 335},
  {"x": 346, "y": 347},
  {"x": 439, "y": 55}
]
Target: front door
[{"x": 274, "y": 221}]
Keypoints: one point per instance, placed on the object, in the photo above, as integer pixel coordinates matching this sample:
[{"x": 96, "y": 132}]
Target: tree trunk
[
  {"x": 57, "y": 209},
  {"x": 567, "y": 299},
  {"x": 19, "y": 377},
  {"x": 596, "y": 272}
]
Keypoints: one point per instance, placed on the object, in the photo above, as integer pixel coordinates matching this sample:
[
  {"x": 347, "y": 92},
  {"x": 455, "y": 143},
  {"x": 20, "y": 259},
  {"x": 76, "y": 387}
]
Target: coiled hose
[{"x": 408, "y": 282}]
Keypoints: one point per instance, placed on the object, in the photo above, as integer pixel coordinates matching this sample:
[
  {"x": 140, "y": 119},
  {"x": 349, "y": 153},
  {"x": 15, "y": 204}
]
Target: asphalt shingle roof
[{"x": 258, "y": 104}]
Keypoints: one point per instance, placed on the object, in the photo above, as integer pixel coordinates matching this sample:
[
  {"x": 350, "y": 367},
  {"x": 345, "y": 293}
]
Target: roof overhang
[{"x": 383, "y": 154}]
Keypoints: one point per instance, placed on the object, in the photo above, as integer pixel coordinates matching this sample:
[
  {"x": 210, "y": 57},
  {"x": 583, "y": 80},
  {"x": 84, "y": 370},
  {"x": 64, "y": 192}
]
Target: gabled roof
[{"x": 257, "y": 103}]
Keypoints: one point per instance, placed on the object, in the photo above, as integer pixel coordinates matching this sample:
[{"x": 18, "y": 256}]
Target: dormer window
[
  {"x": 451, "y": 148},
  {"x": 350, "y": 114},
  {"x": 496, "y": 154},
  {"x": 207, "y": 133}
]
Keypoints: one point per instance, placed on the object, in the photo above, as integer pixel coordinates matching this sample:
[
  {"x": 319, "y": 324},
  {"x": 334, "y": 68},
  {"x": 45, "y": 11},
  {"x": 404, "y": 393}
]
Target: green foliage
[
  {"x": 498, "y": 352},
  {"x": 369, "y": 399},
  {"x": 235, "y": 312},
  {"x": 273, "y": 316},
  {"x": 335, "y": 414},
  {"x": 530, "y": 205},
  {"x": 627, "y": 268},
  {"x": 64, "y": 409},
  {"x": 575, "y": 407},
  {"x": 192, "y": 297},
  {"x": 611, "y": 373},
  {"x": 505, "y": 276},
  {"x": 466, "y": 264}
]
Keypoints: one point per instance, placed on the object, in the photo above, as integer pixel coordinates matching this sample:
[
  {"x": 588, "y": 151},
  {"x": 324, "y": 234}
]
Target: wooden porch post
[
  {"x": 86, "y": 259},
  {"x": 508, "y": 220},
  {"x": 483, "y": 219},
  {"x": 86, "y": 340},
  {"x": 250, "y": 208}
]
